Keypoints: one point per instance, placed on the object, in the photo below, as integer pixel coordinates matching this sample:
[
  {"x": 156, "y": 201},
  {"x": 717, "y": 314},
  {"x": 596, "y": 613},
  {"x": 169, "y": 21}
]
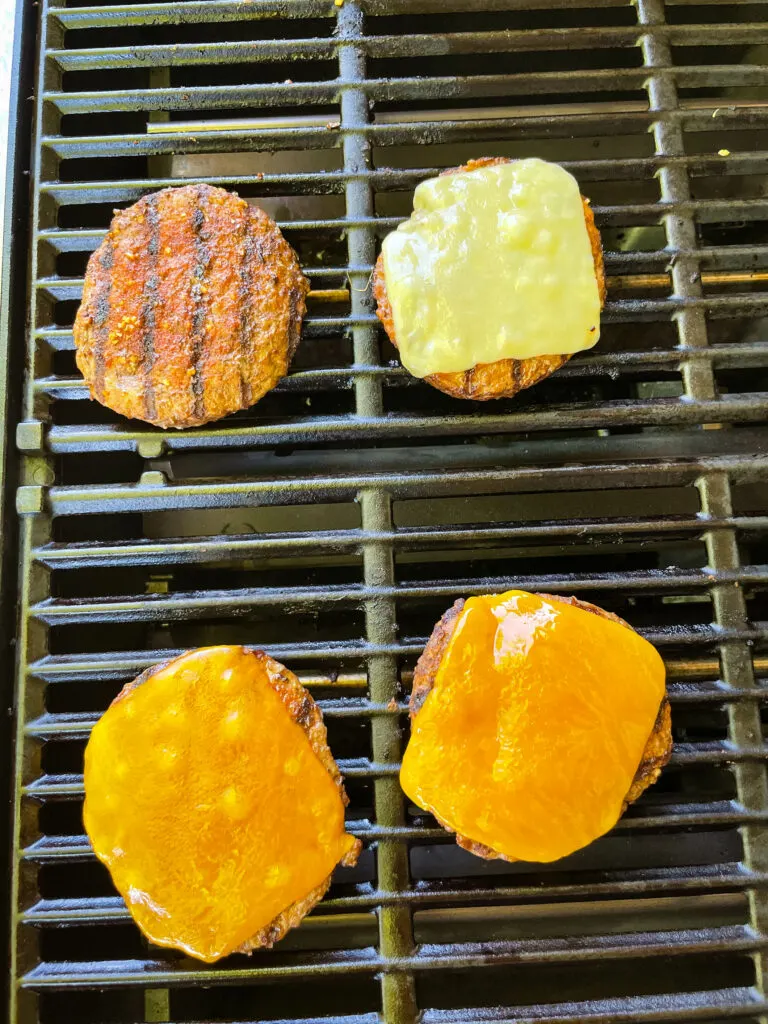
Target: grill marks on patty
[
  {"x": 121, "y": 354},
  {"x": 174, "y": 339},
  {"x": 148, "y": 311},
  {"x": 101, "y": 314},
  {"x": 252, "y": 269},
  {"x": 220, "y": 367},
  {"x": 245, "y": 326},
  {"x": 191, "y": 308},
  {"x": 199, "y": 292}
]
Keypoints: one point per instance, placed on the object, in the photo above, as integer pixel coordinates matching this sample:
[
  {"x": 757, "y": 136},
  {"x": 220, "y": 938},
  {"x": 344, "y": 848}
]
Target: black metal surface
[
  {"x": 334, "y": 522},
  {"x": 14, "y": 231}
]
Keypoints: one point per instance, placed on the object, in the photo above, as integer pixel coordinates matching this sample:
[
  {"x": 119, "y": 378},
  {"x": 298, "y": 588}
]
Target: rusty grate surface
[{"x": 334, "y": 522}]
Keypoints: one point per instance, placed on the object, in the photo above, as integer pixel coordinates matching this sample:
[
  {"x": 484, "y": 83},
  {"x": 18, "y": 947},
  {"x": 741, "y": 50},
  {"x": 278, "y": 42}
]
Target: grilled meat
[
  {"x": 219, "y": 820},
  {"x": 191, "y": 310},
  {"x": 658, "y": 749},
  {"x": 505, "y": 377}
]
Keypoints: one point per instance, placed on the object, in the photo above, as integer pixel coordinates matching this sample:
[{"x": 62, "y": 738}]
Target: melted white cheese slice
[{"x": 494, "y": 263}]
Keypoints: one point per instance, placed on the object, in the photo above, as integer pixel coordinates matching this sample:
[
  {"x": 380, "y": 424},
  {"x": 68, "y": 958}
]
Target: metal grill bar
[
  {"x": 152, "y": 491},
  {"x": 394, "y": 179},
  {"x": 182, "y": 55},
  {"x": 68, "y": 913},
  {"x": 628, "y": 1011},
  {"x": 702, "y": 880},
  {"x": 524, "y": 126},
  {"x": 226, "y": 10},
  {"x": 722, "y": 1004},
  {"x": 611, "y": 883},
  {"x": 616, "y": 311},
  {"x": 129, "y": 664},
  {"x": 71, "y": 668},
  {"x": 385, "y": 90},
  {"x": 746, "y": 408},
  {"x": 108, "y": 974},
  {"x": 71, "y": 289},
  {"x": 507, "y": 41},
  {"x": 395, "y": 928},
  {"x": 185, "y": 12},
  {"x": 212, "y": 549},
  {"x": 714, "y": 488},
  {"x": 33, "y": 585},
  {"x": 74, "y": 611},
  {"x": 648, "y": 213},
  {"x": 734, "y": 356},
  {"x": 672, "y": 819},
  {"x": 70, "y": 786},
  {"x": 77, "y": 725}
]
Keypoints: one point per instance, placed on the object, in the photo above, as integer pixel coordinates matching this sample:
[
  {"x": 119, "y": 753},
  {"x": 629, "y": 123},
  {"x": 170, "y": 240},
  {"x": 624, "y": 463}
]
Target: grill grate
[{"x": 334, "y": 522}]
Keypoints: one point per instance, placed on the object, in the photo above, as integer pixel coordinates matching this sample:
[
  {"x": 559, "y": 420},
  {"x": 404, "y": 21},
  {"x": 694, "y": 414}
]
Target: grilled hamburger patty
[
  {"x": 505, "y": 377},
  {"x": 305, "y": 712},
  {"x": 658, "y": 749},
  {"x": 191, "y": 309}
]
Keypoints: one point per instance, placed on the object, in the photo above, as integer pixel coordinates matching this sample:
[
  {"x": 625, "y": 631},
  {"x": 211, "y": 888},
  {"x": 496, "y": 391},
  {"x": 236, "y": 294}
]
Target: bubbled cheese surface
[
  {"x": 495, "y": 263},
  {"x": 535, "y": 727},
  {"x": 207, "y": 803}
]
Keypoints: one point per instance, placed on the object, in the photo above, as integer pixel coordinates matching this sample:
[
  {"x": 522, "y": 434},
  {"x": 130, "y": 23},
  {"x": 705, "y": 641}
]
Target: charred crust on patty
[
  {"x": 425, "y": 672},
  {"x": 658, "y": 749},
  {"x": 289, "y": 918},
  {"x": 657, "y": 753},
  {"x": 305, "y": 712},
  {"x": 192, "y": 308},
  {"x": 505, "y": 377}
]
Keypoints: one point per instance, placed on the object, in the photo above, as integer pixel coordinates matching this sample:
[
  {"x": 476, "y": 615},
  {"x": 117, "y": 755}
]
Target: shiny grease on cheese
[
  {"x": 535, "y": 727},
  {"x": 494, "y": 263}
]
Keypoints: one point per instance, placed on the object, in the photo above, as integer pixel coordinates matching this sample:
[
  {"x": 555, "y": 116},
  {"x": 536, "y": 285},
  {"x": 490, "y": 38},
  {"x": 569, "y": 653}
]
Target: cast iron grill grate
[{"x": 334, "y": 522}]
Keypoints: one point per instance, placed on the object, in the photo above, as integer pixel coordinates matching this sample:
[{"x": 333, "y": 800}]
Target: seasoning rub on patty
[{"x": 192, "y": 308}]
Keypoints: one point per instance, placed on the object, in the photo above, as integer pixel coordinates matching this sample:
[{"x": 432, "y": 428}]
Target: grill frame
[
  {"x": 13, "y": 282},
  {"x": 713, "y": 472}
]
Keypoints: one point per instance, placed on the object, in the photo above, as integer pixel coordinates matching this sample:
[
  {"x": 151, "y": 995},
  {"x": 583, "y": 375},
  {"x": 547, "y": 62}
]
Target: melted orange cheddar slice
[
  {"x": 535, "y": 727},
  {"x": 207, "y": 801}
]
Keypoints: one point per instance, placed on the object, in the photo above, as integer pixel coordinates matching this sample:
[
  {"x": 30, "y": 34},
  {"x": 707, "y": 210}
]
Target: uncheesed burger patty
[
  {"x": 658, "y": 749},
  {"x": 192, "y": 308},
  {"x": 505, "y": 377}
]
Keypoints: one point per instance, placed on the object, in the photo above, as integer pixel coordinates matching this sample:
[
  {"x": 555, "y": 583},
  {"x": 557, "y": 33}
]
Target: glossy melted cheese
[
  {"x": 208, "y": 804},
  {"x": 494, "y": 263},
  {"x": 536, "y": 725}
]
